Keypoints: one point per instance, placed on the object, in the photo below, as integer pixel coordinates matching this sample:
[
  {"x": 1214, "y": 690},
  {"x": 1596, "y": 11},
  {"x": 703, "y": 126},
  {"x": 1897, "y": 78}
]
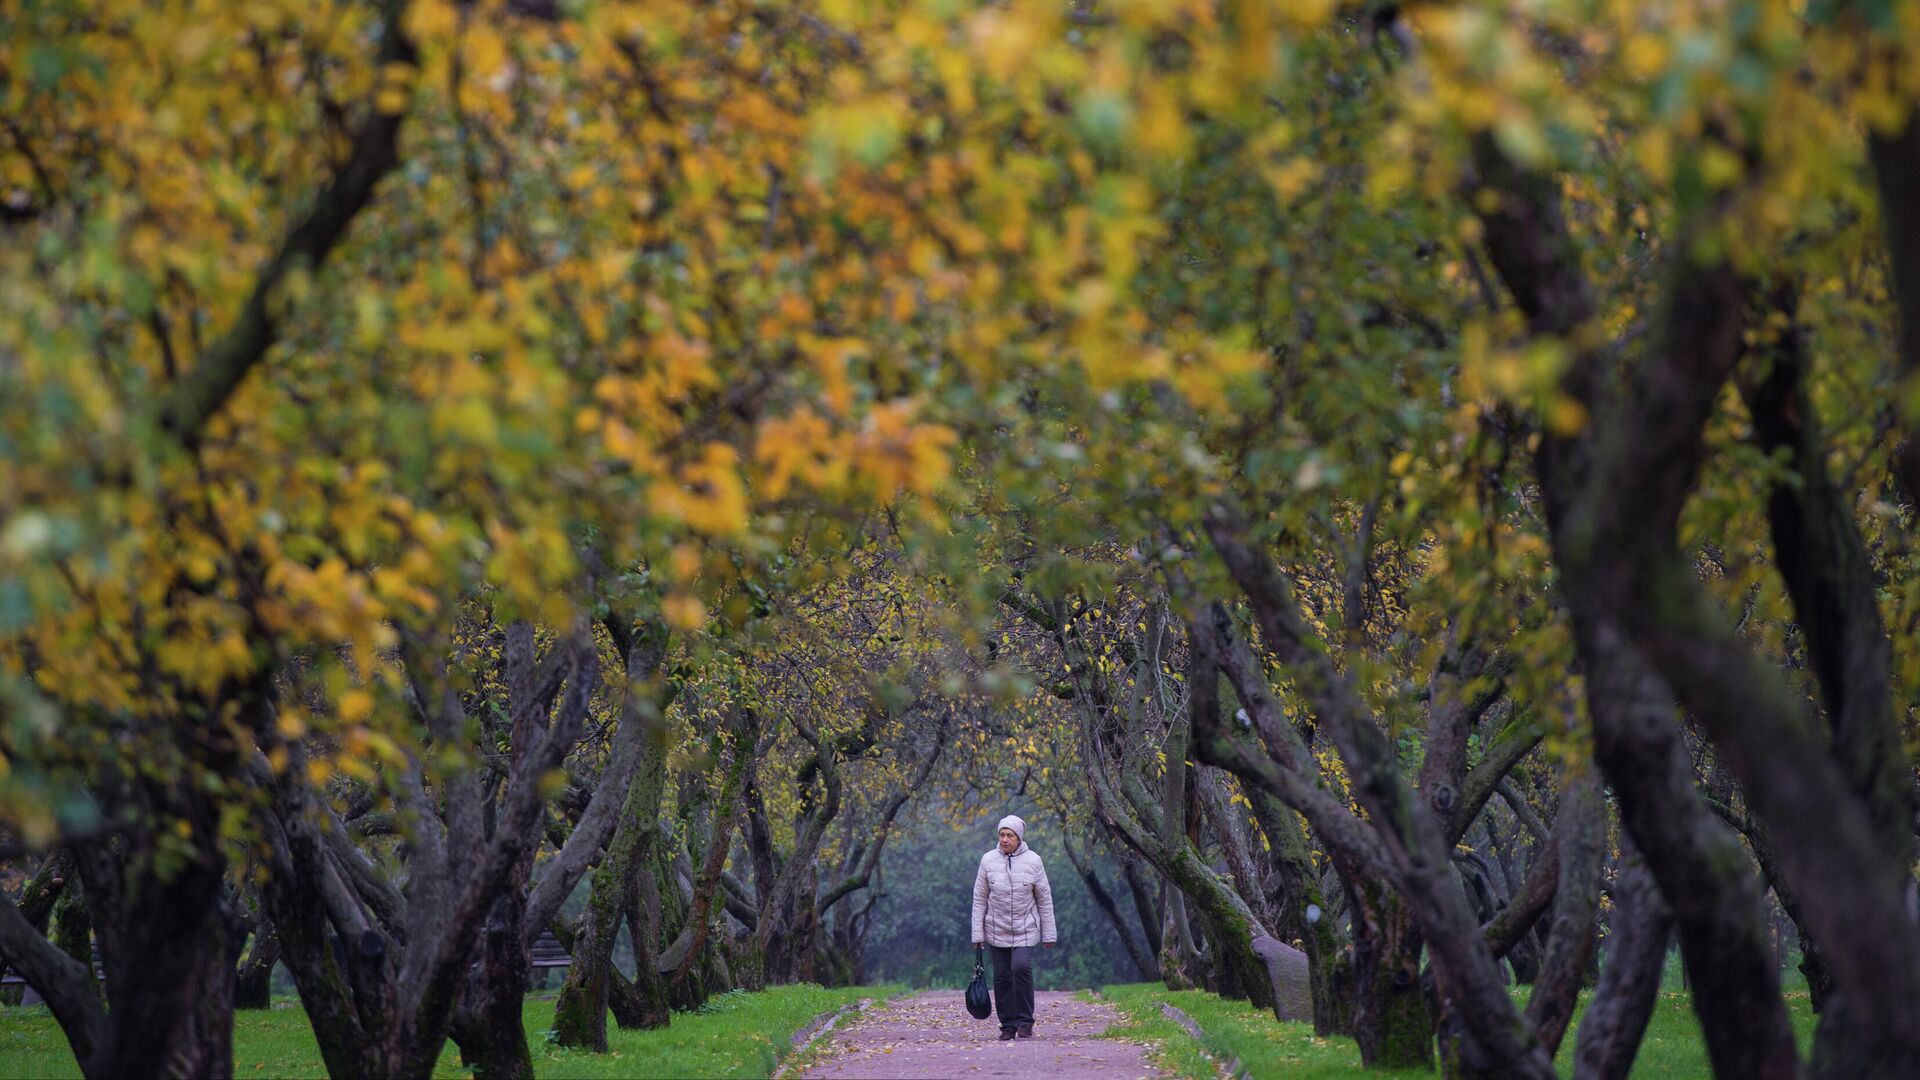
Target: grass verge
[
  {"x": 736, "y": 1035},
  {"x": 1264, "y": 1045},
  {"x": 822, "y": 1046},
  {"x": 1672, "y": 1049}
]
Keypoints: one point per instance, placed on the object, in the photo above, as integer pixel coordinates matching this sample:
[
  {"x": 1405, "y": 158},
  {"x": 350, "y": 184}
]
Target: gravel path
[{"x": 930, "y": 1035}]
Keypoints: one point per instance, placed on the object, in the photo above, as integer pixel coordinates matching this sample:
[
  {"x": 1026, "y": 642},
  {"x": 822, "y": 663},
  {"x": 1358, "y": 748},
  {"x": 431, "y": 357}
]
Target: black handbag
[{"x": 977, "y": 1002}]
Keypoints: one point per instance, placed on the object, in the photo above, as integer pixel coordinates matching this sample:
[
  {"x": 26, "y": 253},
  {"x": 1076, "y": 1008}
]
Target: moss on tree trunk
[
  {"x": 1393, "y": 1020},
  {"x": 1238, "y": 971},
  {"x": 580, "y": 1016}
]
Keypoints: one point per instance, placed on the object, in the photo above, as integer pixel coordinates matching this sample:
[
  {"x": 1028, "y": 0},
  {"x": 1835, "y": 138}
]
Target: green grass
[
  {"x": 1264, "y": 1045},
  {"x": 1170, "y": 1047},
  {"x": 1671, "y": 1050},
  {"x": 736, "y": 1035}
]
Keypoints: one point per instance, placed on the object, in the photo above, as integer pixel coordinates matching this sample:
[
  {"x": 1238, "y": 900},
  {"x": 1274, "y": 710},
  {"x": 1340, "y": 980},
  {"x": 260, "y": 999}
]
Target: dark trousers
[{"x": 1013, "y": 985}]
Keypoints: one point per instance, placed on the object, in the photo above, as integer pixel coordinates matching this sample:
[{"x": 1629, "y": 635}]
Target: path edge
[
  {"x": 817, "y": 1027},
  {"x": 1234, "y": 1068}
]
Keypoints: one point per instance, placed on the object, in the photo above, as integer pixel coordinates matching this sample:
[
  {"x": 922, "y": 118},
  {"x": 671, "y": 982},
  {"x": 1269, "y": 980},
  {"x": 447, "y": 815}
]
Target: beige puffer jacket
[{"x": 1012, "y": 902}]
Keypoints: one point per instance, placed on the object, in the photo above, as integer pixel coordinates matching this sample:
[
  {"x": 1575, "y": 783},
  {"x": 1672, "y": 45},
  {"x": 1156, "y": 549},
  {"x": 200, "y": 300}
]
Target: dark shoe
[
  {"x": 1005, "y": 1034},
  {"x": 1025, "y": 1032}
]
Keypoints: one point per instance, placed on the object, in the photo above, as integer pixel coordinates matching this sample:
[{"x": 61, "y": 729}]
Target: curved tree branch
[{"x": 201, "y": 393}]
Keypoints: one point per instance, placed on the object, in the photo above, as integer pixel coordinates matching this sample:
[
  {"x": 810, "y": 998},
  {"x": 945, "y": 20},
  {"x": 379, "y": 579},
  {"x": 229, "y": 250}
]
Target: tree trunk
[
  {"x": 1302, "y": 917},
  {"x": 330, "y": 979},
  {"x": 1180, "y": 966},
  {"x": 71, "y": 929},
  {"x": 45, "y": 888},
  {"x": 489, "y": 1027},
  {"x": 1235, "y": 843},
  {"x": 1105, "y": 902},
  {"x": 1512, "y": 929},
  {"x": 382, "y": 979},
  {"x": 37, "y": 900},
  {"x": 630, "y": 1011},
  {"x": 1522, "y": 955},
  {"x": 1831, "y": 579},
  {"x": 1404, "y": 831},
  {"x": 487, "y": 1021},
  {"x": 643, "y": 1004},
  {"x": 66, "y": 984},
  {"x": 1392, "y": 1020},
  {"x": 1144, "y": 907},
  {"x": 1614, "y": 495},
  {"x": 1229, "y": 920},
  {"x": 802, "y": 941},
  {"x": 1235, "y": 969},
  {"x": 164, "y": 944},
  {"x": 1616, "y": 1017},
  {"x": 580, "y": 1016},
  {"x": 782, "y": 916},
  {"x": 1896, "y": 170},
  {"x": 713, "y": 865},
  {"x": 580, "y": 1013},
  {"x": 253, "y": 983},
  {"x": 1813, "y": 963},
  {"x": 1581, "y": 830},
  {"x": 856, "y": 952},
  {"x": 1703, "y": 869}
]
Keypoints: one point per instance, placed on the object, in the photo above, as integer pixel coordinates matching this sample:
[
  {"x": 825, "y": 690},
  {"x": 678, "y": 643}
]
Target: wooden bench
[
  {"x": 544, "y": 955},
  {"x": 547, "y": 953}
]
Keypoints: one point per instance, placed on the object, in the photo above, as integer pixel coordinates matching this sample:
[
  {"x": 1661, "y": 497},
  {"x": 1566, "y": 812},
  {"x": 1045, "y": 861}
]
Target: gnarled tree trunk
[
  {"x": 580, "y": 1015},
  {"x": 1616, "y": 1017},
  {"x": 179, "y": 1023},
  {"x": 1392, "y": 1021},
  {"x": 253, "y": 982},
  {"x": 1581, "y": 829},
  {"x": 489, "y": 1028}
]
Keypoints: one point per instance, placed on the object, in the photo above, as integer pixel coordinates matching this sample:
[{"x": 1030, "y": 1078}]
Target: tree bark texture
[
  {"x": 1830, "y": 578},
  {"x": 1413, "y": 841},
  {"x": 1581, "y": 830},
  {"x": 1613, "y": 496},
  {"x": 580, "y": 1015},
  {"x": 1392, "y": 1021},
  {"x": 1616, "y": 1018},
  {"x": 253, "y": 982},
  {"x": 180, "y": 1024},
  {"x": 380, "y": 974},
  {"x": 488, "y": 1024},
  {"x": 1896, "y": 169}
]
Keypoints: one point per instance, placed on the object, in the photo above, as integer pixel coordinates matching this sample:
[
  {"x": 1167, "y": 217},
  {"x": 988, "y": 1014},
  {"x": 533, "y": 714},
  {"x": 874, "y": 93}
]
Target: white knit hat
[{"x": 1019, "y": 827}]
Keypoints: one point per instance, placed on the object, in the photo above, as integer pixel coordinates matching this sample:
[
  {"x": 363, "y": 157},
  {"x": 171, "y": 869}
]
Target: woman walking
[{"x": 1012, "y": 913}]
